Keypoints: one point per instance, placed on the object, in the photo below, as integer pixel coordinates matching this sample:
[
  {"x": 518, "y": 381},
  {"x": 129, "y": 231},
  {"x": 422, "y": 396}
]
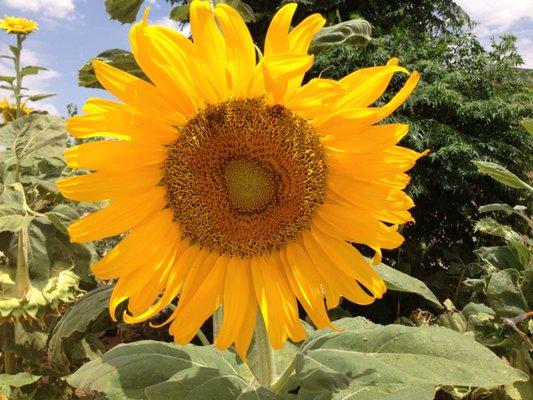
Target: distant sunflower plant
[{"x": 240, "y": 188}]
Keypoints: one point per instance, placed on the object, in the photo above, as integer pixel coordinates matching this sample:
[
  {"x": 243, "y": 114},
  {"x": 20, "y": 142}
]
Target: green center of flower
[{"x": 251, "y": 184}]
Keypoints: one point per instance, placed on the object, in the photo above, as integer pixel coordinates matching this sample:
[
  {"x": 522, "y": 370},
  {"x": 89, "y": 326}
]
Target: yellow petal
[
  {"x": 119, "y": 123},
  {"x": 168, "y": 70},
  {"x": 238, "y": 292},
  {"x": 240, "y": 48},
  {"x": 277, "y": 37},
  {"x": 245, "y": 335},
  {"x": 199, "y": 304},
  {"x": 109, "y": 185},
  {"x": 178, "y": 272},
  {"x": 135, "y": 249},
  {"x": 210, "y": 46},
  {"x": 280, "y": 68},
  {"x": 349, "y": 260},
  {"x": 114, "y": 156},
  {"x": 371, "y": 89},
  {"x": 139, "y": 277},
  {"x": 305, "y": 283},
  {"x": 136, "y": 92},
  {"x": 122, "y": 215},
  {"x": 332, "y": 275},
  {"x": 367, "y": 139},
  {"x": 358, "y": 226}
]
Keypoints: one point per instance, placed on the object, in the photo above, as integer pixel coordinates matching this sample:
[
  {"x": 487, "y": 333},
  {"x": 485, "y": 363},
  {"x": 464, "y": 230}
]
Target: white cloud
[
  {"x": 497, "y": 17},
  {"x": 52, "y": 9},
  {"x": 500, "y": 14},
  {"x": 40, "y": 83},
  {"x": 166, "y": 21}
]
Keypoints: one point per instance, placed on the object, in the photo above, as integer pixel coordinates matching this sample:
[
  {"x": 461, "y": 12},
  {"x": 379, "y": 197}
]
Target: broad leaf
[
  {"x": 180, "y": 13},
  {"x": 142, "y": 370},
  {"x": 355, "y": 392},
  {"x": 356, "y": 32},
  {"x": 496, "y": 207},
  {"x": 492, "y": 227},
  {"x": 18, "y": 380},
  {"x": 14, "y": 222},
  {"x": 118, "y": 58},
  {"x": 498, "y": 257},
  {"x": 34, "y": 136},
  {"x": 124, "y": 11},
  {"x": 31, "y": 70},
  {"x": 40, "y": 96},
  {"x": 377, "y": 357},
  {"x": 502, "y": 175},
  {"x": 8, "y": 79},
  {"x": 205, "y": 383},
  {"x": 89, "y": 314},
  {"x": 507, "y": 295},
  {"x": 398, "y": 281}
]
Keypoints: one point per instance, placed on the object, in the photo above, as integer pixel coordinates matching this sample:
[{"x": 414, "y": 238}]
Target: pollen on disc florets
[{"x": 245, "y": 178}]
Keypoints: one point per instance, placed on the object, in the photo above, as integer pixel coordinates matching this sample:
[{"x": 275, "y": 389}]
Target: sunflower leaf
[
  {"x": 156, "y": 370},
  {"x": 118, "y": 58},
  {"x": 87, "y": 315},
  {"x": 34, "y": 136},
  {"x": 124, "y": 11},
  {"x": 387, "y": 359},
  {"x": 356, "y": 32},
  {"x": 18, "y": 380},
  {"x": 501, "y": 174},
  {"x": 400, "y": 282}
]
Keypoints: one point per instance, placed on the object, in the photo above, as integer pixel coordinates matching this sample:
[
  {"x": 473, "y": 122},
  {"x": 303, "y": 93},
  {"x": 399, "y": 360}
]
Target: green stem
[
  {"x": 203, "y": 338},
  {"x": 217, "y": 322},
  {"x": 22, "y": 276},
  {"x": 18, "y": 76},
  {"x": 8, "y": 340},
  {"x": 277, "y": 387},
  {"x": 263, "y": 354}
]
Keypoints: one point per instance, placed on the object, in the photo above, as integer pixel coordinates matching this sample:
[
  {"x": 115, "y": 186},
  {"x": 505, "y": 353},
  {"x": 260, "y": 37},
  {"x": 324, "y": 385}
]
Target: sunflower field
[{"x": 289, "y": 199}]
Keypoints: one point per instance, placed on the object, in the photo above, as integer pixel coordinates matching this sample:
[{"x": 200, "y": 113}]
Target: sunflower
[
  {"x": 9, "y": 111},
  {"x": 18, "y": 25},
  {"x": 240, "y": 187}
]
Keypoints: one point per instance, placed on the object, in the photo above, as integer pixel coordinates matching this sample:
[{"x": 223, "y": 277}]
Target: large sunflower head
[
  {"x": 239, "y": 186},
  {"x": 18, "y": 25}
]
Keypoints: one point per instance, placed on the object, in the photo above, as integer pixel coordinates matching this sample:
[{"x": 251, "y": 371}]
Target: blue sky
[{"x": 73, "y": 31}]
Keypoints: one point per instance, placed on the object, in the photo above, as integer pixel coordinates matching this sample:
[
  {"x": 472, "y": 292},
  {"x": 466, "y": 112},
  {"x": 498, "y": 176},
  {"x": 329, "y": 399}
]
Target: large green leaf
[
  {"x": 355, "y": 392},
  {"x": 18, "y": 380},
  {"x": 398, "y": 281},
  {"x": 507, "y": 295},
  {"x": 124, "y": 11},
  {"x": 181, "y": 12},
  {"x": 356, "y": 32},
  {"x": 498, "y": 257},
  {"x": 14, "y": 222},
  {"x": 118, "y": 58},
  {"x": 502, "y": 175},
  {"x": 492, "y": 227},
  {"x": 34, "y": 136},
  {"x": 378, "y": 357},
  {"x": 156, "y": 370},
  {"x": 89, "y": 314}
]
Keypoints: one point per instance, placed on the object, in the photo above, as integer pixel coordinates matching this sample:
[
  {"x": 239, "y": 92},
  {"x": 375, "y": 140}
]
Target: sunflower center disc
[
  {"x": 245, "y": 178},
  {"x": 251, "y": 186}
]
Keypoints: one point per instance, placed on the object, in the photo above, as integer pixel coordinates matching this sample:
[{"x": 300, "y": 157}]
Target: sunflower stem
[
  {"x": 263, "y": 355},
  {"x": 8, "y": 341}
]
